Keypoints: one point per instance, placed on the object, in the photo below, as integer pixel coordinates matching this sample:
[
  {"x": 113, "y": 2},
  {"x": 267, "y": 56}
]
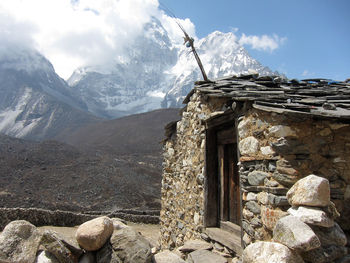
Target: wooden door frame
[{"x": 211, "y": 187}]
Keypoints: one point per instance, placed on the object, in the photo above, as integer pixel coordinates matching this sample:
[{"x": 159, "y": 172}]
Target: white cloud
[
  {"x": 264, "y": 42},
  {"x": 75, "y": 33},
  {"x": 307, "y": 73}
]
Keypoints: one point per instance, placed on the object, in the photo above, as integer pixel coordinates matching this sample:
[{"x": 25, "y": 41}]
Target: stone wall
[
  {"x": 181, "y": 216},
  {"x": 43, "y": 217},
  {"x": 276, "y": 151}
]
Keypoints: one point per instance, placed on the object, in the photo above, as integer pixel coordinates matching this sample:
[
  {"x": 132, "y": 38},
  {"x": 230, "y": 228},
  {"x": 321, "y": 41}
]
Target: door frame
[{"x": 211, "y": 187}]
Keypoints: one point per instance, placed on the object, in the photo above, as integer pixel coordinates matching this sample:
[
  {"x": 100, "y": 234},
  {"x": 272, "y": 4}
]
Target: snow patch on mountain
[{"x": 11, "y": 121}]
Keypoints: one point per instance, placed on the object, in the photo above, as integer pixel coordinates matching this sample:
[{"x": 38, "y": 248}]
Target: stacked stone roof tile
[{"x": 317, "y": 97}]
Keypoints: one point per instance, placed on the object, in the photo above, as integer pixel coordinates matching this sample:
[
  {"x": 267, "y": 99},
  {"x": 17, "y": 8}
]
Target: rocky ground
[{"x": 101, "y": 167}]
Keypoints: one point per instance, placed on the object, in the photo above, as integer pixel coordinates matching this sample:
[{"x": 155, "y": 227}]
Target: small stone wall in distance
[{"x": 42, "y": 217}]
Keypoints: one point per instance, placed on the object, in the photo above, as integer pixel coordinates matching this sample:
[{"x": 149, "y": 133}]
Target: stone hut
[{"x": 239, "y": 146}]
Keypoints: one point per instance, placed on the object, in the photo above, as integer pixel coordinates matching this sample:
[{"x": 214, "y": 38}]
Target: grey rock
[
  {"x": 167, "y": 257},
  {"x": 19, "y": 242},
  {"x": 200, "y": 256},
  {"x": 325, "y": 255},
  {"x": 56, "y": 246},
  {"x": 295, "y": 234},
  {"x": 88, "y": 257},
  {"x": 130, "y": 246},
  {"x": 253, "y": 207},
  {"x": 205, "y": 237},
  {"x": 280, "y": 201},
  {"x": 256, "y": 222},
  {"x": 289, "y": 146},
  {"x": 107, "y": 255},
  {"x": 248, "y": 228},
  {"x": 257, "y": 177},
  {"x": 285, "y": 179},
  {"x": 330, "y": 235},
  {"x": 270, "y": 252},
  {"x": 270, "y": 183},
  {"x": 192, "y": 245}
]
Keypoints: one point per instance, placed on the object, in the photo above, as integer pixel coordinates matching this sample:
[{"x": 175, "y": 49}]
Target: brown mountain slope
[{"x": 134, "y": 134}]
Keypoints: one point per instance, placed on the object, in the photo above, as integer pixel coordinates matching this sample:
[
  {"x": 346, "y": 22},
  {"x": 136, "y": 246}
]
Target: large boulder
[
  {"x": 312, "y": 216},
  {"x": 295, "y": 234},
  {"x": 269, "y": 252},
  {"x": 131, "y": 247},
  {"x": 167, "y": 257},
  {"x": 331, "y": 236},
  {"x": 310, "y": 191},
  {"x": 93, "y": 234},
  {"x": 19, "y": 242},
  {"x": 107, "y": 255},
  {"x": 325, "y": 254},
  {"x": 56, "y": 246}
]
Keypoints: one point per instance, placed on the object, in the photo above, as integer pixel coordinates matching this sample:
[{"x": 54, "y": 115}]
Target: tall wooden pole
[{"x": 190, "y": 41}]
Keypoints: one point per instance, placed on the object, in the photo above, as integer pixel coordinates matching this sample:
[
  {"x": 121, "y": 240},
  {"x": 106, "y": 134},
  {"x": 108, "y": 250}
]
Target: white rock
[
  {"x": 118, "y": 224},
  {"x": 251, "y": 196},
  {"x": 243, "y": 129},
  {"x": 310, "y": 191},
  {"x": 46, "y": 257},
  {"x": 312, "y": 216},
  {"x": 282, "y": 131},
  {"x": 248, "y": 146},
  {"x": 295, "y": 234},
  {"x": 93, "y": 234},
  {"x": 267, "y": 150},
  {"x": 196, "y": 218},
  {"x": 269, "y": 252}
]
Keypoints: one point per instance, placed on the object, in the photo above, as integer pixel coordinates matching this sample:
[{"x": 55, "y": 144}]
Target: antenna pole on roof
[{"x": 188, "y": 41}]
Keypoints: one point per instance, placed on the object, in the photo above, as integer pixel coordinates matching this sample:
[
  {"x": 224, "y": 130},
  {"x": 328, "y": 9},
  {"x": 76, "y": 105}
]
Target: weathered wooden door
[{"x": 229, "y": 190}]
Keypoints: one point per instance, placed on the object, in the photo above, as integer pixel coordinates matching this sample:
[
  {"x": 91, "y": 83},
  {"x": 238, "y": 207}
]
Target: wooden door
[{"x": 229, "y": 190}]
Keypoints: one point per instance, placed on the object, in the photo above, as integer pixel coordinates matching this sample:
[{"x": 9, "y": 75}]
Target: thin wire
[{"x": 171, "y": 14}]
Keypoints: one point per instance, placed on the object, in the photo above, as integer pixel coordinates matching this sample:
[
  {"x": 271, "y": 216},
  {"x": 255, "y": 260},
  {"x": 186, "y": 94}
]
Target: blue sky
[
  {"x": 300, "y": 38},
  {"x": 316, "y": 33}
]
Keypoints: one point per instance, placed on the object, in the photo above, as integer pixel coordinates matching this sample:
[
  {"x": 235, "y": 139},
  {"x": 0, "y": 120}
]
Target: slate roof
[{"x": 317, "y": 97}]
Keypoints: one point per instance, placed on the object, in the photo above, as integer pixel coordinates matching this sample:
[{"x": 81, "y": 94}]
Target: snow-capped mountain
[
  {"x": 135, "y": 83},
  {"x": 221, "y": 56},
  {"x": 157, "y": 72},
  {"x": 35, "y": 103}
]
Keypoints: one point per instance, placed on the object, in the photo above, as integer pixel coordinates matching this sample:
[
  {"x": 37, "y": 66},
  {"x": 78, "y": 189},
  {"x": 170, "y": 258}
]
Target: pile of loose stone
[
  {"x": 308, "y": 233},
  {"x": 196, "y": 251},
  {"x": 100, "y": 240}
]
